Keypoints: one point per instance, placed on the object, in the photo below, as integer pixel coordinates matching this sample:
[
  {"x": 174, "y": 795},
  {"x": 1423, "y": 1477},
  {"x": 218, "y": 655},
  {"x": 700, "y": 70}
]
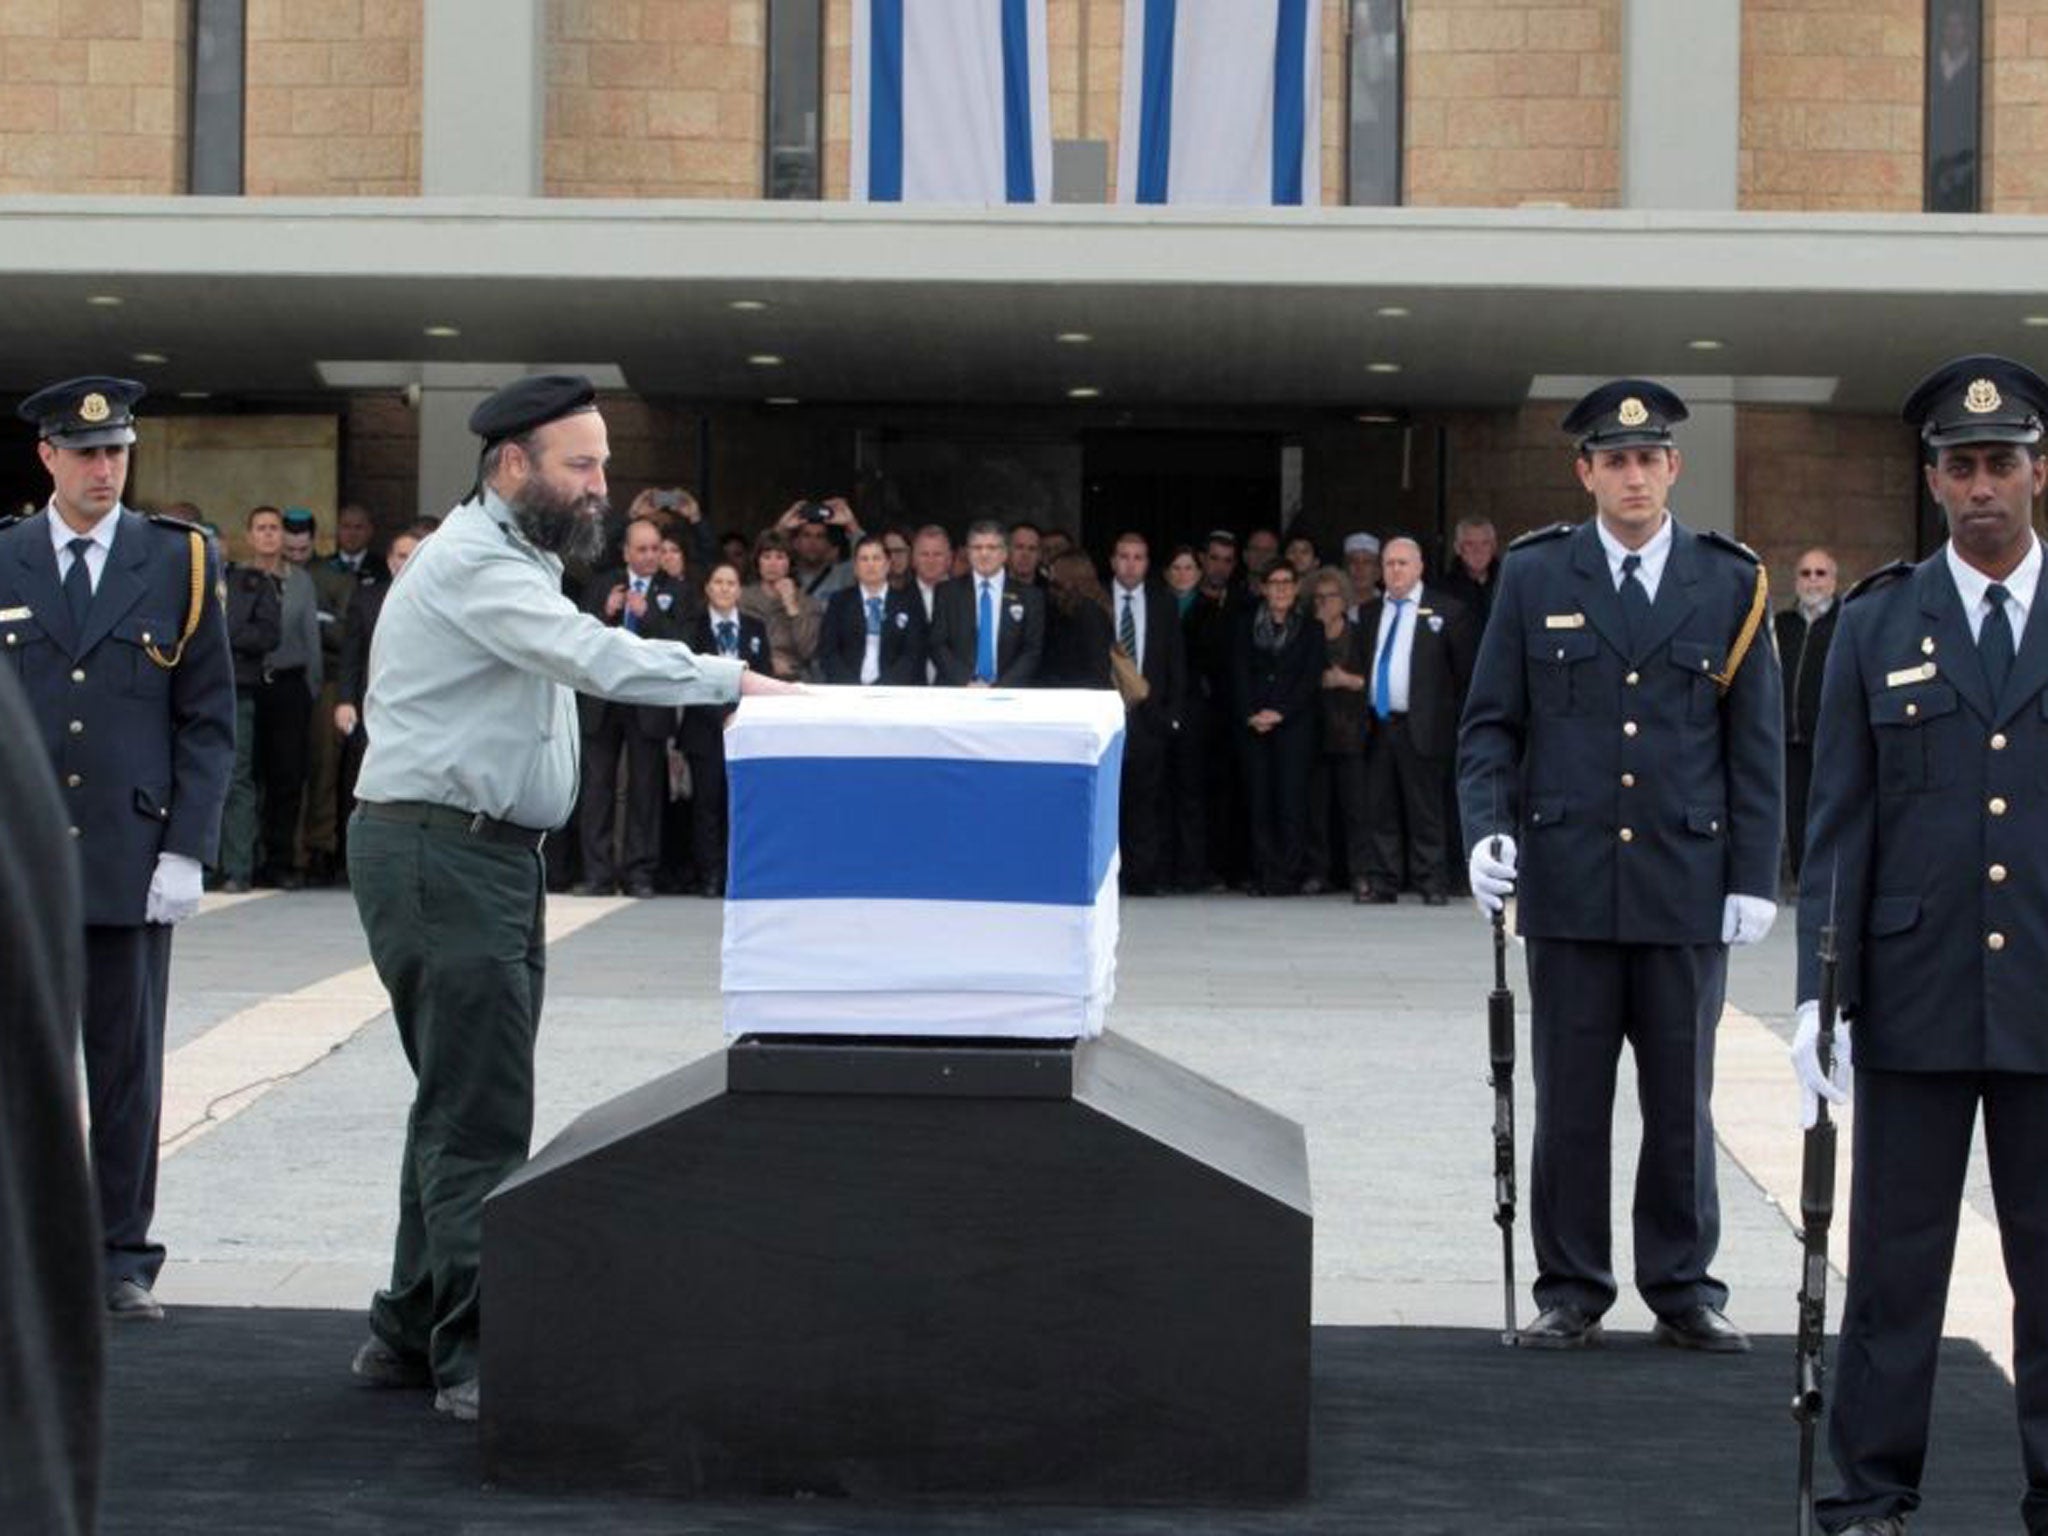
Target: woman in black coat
[
  {"x": 1078, "y": 634},
  {"x": 720, "y": 630},
  {"x": 1276, "y": 670}
]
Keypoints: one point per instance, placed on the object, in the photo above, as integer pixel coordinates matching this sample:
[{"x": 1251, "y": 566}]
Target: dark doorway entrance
[{"x": 1175, "y": 486}]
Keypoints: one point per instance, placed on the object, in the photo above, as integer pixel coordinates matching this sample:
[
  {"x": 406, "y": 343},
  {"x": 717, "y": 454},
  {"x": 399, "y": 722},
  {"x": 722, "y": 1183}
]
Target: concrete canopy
[{"x": 916, "y": 305}]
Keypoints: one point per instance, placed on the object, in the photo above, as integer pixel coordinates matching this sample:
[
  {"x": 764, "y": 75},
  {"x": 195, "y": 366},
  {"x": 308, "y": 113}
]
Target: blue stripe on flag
[
  {"x": 1289, "y": 108},
  {"x": 1018, "y": 180},
  {"x": 981, "y": 831},
  {"x": 1155, "y": 101},
  {"x": 885, "y": 101}
]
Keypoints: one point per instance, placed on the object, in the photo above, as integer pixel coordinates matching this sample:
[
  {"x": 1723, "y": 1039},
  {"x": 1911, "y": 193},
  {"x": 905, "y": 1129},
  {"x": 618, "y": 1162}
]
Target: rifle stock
[
  {"x": 1816, "y": 1218},
  {"x": 1500, "y": 1040}
]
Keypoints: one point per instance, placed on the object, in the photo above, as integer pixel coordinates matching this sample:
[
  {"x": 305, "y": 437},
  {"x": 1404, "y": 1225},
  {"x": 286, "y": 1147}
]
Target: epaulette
[
  {"x": 1733, "y": 545},
  {"x": 1540, "y": 535},
  {"x": 9, "y": 519},
  {"x": 1883, "y": 576},
  {"x": 165, "y": 520}
]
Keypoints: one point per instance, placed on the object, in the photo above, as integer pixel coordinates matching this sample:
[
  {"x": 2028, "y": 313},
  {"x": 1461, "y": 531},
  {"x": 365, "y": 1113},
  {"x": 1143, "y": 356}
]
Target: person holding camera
[{"x": 810, "y": 528}]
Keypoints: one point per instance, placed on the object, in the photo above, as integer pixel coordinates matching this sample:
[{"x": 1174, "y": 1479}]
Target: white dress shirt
[
  {"x": 1134, "y": 599},
  {"x": 102, "y": 536},
  {"x": 871, "y": 652},
  {"x": 1392, "y": 611},
  {"x": 1971, "y": 585},
  {"x": 1653, "y": 554}
]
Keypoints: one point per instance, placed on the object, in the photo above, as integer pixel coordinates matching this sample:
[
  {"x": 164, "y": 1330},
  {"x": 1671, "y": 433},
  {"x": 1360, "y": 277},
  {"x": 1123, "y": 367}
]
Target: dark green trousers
[{"x": 456, "y": 929}]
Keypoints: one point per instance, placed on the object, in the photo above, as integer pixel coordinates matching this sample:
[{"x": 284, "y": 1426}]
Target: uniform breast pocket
[
  {"x": 135, "y": 637},
  {"x": 1700, "y": 660},
  {"x": 1907, "y": 725},
  {"x": 1560, "y": 664}
]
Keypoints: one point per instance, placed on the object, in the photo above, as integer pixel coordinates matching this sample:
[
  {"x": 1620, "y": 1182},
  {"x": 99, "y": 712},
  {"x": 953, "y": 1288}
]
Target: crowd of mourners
[{"x": 1291, "y": 711}]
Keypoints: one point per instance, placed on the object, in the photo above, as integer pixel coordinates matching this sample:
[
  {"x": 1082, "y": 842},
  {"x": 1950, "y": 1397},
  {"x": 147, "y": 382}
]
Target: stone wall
[
  {"x": 333, "y": 103},
  {"x": 1833, "y": 102},
  {"x": 94, "y": 99}
]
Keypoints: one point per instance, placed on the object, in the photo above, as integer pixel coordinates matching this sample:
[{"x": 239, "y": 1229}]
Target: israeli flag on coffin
[
  {"x": 1222, "y": 102},
  {"x": 923, "y": 861},
  {"x": 950, "y": 102}
]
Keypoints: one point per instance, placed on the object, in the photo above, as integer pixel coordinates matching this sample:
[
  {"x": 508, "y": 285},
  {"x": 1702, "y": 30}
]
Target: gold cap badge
[
  {"x": 93, "y": 408},
  {"x": 1632, "y": 413},
  {"x": 1981, "y": 398}
]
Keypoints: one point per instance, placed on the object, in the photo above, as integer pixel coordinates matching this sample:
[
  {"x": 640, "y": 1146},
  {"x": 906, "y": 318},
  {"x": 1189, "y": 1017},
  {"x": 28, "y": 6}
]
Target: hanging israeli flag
[
  {"x": 923, "y": 861},
  {"x": 950, "y": 102},
  {"x": 1222, "y": 102}
]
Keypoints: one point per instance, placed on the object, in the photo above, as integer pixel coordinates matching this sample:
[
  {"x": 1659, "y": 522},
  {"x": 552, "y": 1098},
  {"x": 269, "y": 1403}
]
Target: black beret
[
  {"x": 532, "y": 402},
  {"x": 92, "y": 412},
  {"x": 1626, "y": 413},
  {"x": 1982, "y": 398}
]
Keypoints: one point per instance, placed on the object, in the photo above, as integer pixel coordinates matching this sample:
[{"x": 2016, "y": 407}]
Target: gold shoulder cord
[
  {"x": 193, "y": 608},
  {"x": 1758, "y": 605}
]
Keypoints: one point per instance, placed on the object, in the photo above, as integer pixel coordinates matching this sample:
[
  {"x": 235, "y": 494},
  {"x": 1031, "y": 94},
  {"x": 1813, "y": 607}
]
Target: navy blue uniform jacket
[
  {"x": 143, "y": 753},
  {"x": 1638, "y": 794},
  {"x": 1928, "y": 821}
]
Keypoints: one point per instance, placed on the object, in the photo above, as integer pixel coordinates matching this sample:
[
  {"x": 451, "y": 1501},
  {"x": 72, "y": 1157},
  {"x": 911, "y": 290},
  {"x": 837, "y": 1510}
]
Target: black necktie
[
  {"x": 78, "y": 585},
  {"x": 1635, "y": 600},
  {"x": 1994, "y": 640}
]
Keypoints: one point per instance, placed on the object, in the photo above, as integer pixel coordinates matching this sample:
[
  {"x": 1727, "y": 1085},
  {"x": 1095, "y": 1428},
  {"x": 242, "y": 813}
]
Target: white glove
[
  {"x": 1747, "y": 919},
  {"x": 1492, "y": 872},
  {"x": 1813, "y": 1084},
  {"x": 173, "y": 889}
]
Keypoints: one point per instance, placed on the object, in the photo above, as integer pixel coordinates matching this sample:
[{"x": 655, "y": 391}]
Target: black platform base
[
  {"x": 245, "y": 1423},
  {"x": 907, "y": 1269}
]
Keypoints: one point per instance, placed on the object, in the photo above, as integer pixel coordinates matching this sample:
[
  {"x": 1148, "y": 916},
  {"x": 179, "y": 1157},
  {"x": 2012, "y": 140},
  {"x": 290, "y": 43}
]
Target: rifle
[
  {"x": 1816, "y": 1215},
  {"x": 1500, "y": 1039}
]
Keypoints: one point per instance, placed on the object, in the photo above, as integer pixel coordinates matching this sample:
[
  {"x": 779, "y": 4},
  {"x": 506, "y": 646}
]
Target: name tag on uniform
[
  {"x": 10, "y": 615},
  {"x": 1919, "y": 674},
  {"x": 1564, "y": 621}
]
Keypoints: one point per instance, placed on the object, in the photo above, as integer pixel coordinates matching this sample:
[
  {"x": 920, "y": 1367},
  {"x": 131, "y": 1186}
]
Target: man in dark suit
[
  {"x": 51, "y": 1342},
  {"x": 114, "y": 629},
  {"x": 641, "y": 598},
  {"x": 1804, "y": 632},
  {"x": 1930, "y": 808},
  {"x": 987, "y": 631},
  {"x": 1147, "y": 627},
  {"x": 721, "y": 629},
  {"x": 352, "y": 685},
  {"x": 872, "y": 632},
  {"x": 1422, "y": 644},
  {"x": 1621, "y": 756}
]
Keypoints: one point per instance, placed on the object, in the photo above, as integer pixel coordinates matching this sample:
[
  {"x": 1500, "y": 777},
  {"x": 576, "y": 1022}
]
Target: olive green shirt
[{"x": 475, "y": 668}]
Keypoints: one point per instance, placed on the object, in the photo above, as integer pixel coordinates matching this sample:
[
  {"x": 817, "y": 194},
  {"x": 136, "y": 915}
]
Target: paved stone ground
[{"x": 286, "y": 1091}]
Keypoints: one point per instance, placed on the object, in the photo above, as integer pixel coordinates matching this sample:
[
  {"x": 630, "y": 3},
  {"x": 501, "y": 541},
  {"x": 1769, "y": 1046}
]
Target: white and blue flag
[
  {"x": 1222, "y": 102},
  {"x": 950, "y": 102},
  {"x": 923, "y": 861}
]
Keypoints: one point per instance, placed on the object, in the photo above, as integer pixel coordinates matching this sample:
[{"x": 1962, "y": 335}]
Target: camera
[
  {"x": 815, "y": 512},
  {"x": 668, "y": 501}
]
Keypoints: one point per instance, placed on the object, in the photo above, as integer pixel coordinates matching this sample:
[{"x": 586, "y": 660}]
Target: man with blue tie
[
  {"x": 1621, "y": 763},
  {"x": 987, "y": 632},
  {"x": 1422, "y": 661},
  {"x": 1929, "y": 811},
  {"x": 111, "y": 623},
  {"x": 872, "y": 632}
]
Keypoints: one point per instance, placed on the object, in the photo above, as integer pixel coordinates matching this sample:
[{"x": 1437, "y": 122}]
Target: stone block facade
[
  {"x": 1510, "y": 104},
  {"x": 1833, "y": 105},
  {"x": 333, "y": 98},
  {"x": 94, "y": 99},
  {"x": 1807, "y": 477},
  {"x": 2016, "y": 94}
]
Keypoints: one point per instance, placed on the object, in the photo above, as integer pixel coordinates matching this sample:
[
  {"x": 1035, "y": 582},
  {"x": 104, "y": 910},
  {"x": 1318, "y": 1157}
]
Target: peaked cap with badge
[
  {"x": 1625, "y": 413},
  {"x": 1982, "y": 398},
  {"x": 90, "y": 412}
]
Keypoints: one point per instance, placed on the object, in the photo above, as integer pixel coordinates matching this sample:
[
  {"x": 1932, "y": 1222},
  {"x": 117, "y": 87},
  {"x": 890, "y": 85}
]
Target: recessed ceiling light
[
  {"x": 765, "y": 360},
  {"x": 1392, "y": 311},
  {"x": 105, "y": 300},
  {"x": 1705, "y": 344},
  {"x": 1083, "y": 392},
  {"x": 150, "y": 357},
  {"x": 747, "y": 306},
  {"x": 195, "y": 394},
  {"x": 2035, "y": 320},
  {"x": 443, "y": 332},
  {"x": 1382, "y": 367},
  {"x": 1074, "y": 338},
  {"x": 1379, "y": 418},
  {"x": 784, "y": 400}
]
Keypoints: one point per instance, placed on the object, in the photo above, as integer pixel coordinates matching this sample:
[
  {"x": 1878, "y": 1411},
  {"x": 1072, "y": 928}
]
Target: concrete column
[
  {"x": 1681, "y": 103},
  {"x": 483, "y": 104},
  {"x": 448, "y": 450},
  {"x": 1707, "y": 485}
]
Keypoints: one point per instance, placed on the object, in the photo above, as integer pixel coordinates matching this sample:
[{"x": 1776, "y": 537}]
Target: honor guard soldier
[
  {"x": 1924, "y": 847},
  {"x": 471, "y": 718},
  {"x": 1621, "y": 762},
  {"x": 111, "y": 622}
]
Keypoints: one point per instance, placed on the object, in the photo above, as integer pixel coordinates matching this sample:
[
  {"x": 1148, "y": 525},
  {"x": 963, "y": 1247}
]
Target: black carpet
[{"x": 245, "y": 1421}]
